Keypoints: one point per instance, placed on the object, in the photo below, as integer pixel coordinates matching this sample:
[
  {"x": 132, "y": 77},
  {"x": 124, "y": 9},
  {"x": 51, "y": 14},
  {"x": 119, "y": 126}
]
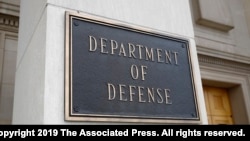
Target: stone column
[{"x": 39, "y": 87}]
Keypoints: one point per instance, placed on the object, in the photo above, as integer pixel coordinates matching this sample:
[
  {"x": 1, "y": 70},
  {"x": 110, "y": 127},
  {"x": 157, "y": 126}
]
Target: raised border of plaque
[{"x": 120, "y": 72}]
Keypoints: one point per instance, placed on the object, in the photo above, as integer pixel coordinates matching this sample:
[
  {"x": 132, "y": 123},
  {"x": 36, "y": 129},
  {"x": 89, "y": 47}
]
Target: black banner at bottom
[{"x": 177, "y": 131}]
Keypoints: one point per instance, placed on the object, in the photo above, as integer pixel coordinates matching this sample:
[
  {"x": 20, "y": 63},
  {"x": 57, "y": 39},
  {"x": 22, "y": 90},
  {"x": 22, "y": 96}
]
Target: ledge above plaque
[{"x": 117, "y": 72}]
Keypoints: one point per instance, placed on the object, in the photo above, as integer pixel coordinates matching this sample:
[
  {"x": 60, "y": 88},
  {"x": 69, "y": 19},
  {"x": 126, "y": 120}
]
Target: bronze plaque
[{"x": 118, "y": 72}]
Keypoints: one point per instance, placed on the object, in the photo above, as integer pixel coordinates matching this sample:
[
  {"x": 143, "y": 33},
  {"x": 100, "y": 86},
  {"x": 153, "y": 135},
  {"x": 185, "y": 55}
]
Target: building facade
[{"x": 32, "y": 55}]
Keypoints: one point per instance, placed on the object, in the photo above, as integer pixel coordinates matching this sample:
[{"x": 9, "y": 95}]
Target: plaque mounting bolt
[
  {"x": 76, "y": 23},
  {"x": 183, "y": 45},
  {"x": 76, "y": 109}
]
